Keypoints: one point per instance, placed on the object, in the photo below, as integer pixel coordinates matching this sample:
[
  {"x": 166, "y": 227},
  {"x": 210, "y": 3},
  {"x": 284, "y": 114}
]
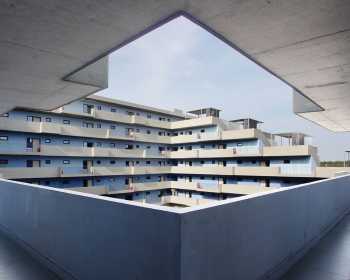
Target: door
[
  {"x": 33, "y": 163},
  {"x": 87, "y": 164},
  {"x": 87, "y": 183},
  {"x": 36, "y": 145}
]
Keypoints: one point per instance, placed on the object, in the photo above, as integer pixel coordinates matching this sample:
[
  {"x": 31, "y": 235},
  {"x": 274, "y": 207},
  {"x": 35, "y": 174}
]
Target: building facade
[{"x": 121, "y": 149}]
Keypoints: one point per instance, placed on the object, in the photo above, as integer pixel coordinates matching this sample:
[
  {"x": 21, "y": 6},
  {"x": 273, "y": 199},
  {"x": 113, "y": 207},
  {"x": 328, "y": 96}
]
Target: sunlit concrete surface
[
  {"x": 17, "y": 264},
  {"x": 46, "y": 45},
  {"x": 329, "y": 259}
]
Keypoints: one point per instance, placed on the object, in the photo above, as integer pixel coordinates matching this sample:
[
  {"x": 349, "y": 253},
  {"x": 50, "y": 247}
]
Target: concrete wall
[
  {"x": 253, "y": 237},
  {"x": 86, "y": 237},
  {"x": 259, "y": 237}
]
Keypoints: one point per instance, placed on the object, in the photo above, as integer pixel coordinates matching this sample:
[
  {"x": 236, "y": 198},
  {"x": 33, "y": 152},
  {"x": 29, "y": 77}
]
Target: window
[
  {"x": 99, "y": 107},
  {"x": 160, "y": 133},
  {"x": 201, "y": 177},
  {"x": 129, "y": 146},
  {"x": 149, "y": 116},
  {"x": 137, "y": 113},
  {"x": 137, "y": 130},
  {"x": 202, "y": 146},
  {"x": 98, "y": 162},
  {"x": 88, "y": 125},
  {"x": 112, "y": 145},
  {"x": 253, "y": 161},
  {"x": 213, "y": 161},
  {"x": 98, "y": 144},
  {"x": 87, "y": 108},
  {"x": 4, "y": 138},
  {"x": 4, "y": 161},
  {"x": 112, "y": 127},
  {"x": 66, "y": 121},
  {"x": 190, "y": 133},
  {"x": 47, "y": 141},
  {"x": 202, "y": 161},
  {"x": 239, "y": 161},
  {"x": 98, "y": 125},
  {"x": 112, "y": 162},
  {"x": 148, "y": 162},
  {"x": 202, "y": 130},
  {"x": 148, "y": 132},
  {"x": 66, "y": 142},
  {"x": 239, "y": 144},
  {"x": 113, "y": 110},
  {"x": 33, "y": 119},
  {"x": 286, "y": 161},
  {"x": 47, "y": 161},
  {"x": 148, "y": 177},
  {"x": 6, "y": 115},
  {"x": 148, "y": 147},
  {"x": 66, "y": 161},
  {"x": 48, "y": 119},
  {"x": 66, "y": 182},
  {"x": 47, "y": 183},
  {"x": 137, "y": 146}
]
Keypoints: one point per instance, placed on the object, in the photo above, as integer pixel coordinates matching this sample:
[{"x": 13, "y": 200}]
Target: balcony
[
  {"x": 139, "y": 120},
  {"x": 67, "y": 172}
]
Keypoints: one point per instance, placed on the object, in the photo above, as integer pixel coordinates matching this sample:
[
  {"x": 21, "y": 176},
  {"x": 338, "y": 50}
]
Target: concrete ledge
[{"x": 83, "y": 236}]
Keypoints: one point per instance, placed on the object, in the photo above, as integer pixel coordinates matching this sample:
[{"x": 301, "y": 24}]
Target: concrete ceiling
[{"x": 45, "y": 44}]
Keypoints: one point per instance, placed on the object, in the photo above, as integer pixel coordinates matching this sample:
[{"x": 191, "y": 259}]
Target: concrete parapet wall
[{"x": 83, "y": 236}]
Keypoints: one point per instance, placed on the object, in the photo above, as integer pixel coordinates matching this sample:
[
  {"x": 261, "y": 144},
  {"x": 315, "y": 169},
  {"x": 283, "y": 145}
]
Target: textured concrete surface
[
  {"x": 304, "y": 42},
  {"x": 260, "y": 237},
  {"x": 88, "y": 237},
  {"x": 329, "y": 259},
  {"x": 17, "y": 264}
]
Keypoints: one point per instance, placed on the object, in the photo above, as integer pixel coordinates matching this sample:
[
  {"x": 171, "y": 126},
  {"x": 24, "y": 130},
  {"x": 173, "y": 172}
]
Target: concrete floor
[
  {"x": 17, "y": 264},
  {"x": 329, "y": 260}
]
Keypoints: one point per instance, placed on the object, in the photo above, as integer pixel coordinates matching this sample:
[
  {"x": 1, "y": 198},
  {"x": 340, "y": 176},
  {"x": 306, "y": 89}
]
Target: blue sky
[{"x": 182, "y": 66}]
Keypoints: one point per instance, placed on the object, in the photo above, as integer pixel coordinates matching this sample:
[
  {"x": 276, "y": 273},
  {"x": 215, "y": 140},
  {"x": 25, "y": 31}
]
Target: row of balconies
[
  {"x": 69, "y": 151},
  {"x": 256, "y": 171},
  {"x": 139, "y": 120},
  {"x": 60, "y": 129},
  {"x": 178, "y": 185}
]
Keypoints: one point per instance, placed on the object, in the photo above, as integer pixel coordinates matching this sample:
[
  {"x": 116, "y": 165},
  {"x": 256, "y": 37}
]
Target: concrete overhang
[{"x": 46, "y": 45}]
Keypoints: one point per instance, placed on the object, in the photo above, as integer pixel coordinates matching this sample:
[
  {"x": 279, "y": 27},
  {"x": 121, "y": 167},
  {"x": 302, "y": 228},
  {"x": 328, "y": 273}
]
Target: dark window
[
  {"x": 66, "y": 121},
  {"x": 239, "y": 161},
  {"x": 287, "y": 161},
  {"x": 47, "y": 119},
  {"x": 99, "y": 107},
  {"x": 213, "y": 161},
  {"x": 66, "y": 161},
  {"x": 148, "y": 132},
  {"x": 66, "y": 142},
  {"x": 148, "y": 162},
  {"x": 113, "y": 126},
  {"x": 4, "y": 161},
  {"x": 202, "y": 130},
  {"x": 4, "y": 138},
  {"x": 98, "y": 125},
  {"x": 47, "y": 161},
  {"x": 149, "y": 116},
  {"x": 113, "y": 110},
  {"x": 148, "y": 147},
  {"x": 98, "y": 144},
  {"x": 98, "y": 162},
  {"x": 202, "y": 161},
  {"x": 66, "y": 182},
  {"x": 112, "y": 162}
]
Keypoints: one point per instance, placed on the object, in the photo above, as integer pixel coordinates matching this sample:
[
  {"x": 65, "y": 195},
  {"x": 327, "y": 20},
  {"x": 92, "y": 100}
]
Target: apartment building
[{"x": 126, "y": 150}]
